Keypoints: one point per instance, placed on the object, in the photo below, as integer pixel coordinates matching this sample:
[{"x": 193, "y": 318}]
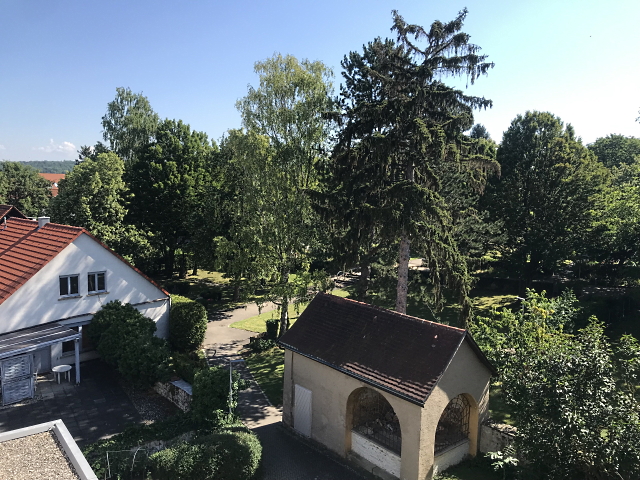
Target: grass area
[
  {"x": 268, "y": 369},
  {"x": 258, "y": 323},
  {"x": 497, "y": 407},
  {"x": 478, "y": 468}
]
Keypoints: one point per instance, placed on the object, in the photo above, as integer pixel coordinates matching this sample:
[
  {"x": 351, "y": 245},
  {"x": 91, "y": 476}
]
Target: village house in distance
[
  {"x": 384, "y": 389},
  {"x": 53, "y": 279}
]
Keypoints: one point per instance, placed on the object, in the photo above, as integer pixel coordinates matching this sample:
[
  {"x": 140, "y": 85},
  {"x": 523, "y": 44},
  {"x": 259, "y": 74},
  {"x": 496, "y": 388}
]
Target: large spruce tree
[{"x": 400, "y": 124}]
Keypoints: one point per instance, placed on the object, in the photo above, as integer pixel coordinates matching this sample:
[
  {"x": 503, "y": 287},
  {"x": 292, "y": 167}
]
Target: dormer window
[
  {"x": 96, "y": 282},
  {"x": 69, "y": 285}
]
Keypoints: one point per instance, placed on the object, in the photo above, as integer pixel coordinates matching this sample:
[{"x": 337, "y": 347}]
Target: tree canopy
[
  {"x": 284, "y": 118},
  {"x": 22, "y": 187},
  {"x": 400, "y": 122},
  {"x": 545, "y": 194}
]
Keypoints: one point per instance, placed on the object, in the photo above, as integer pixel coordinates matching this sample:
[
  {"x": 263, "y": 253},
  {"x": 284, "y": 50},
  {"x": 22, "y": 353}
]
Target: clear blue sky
[{"x": 61, "y": 60}]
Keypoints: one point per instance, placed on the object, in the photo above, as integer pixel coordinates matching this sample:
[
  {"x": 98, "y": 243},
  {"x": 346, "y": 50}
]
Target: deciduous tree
[
  {"x": 287, "y": 110},
  {"x": 572, "y": 396},
  {"x": 24, "y": 188},
  {"x": 546, "y": 193},
  {"x": 129, "y": 124}
]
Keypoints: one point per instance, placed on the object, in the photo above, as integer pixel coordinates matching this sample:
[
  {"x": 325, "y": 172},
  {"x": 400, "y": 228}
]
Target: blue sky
[{"x": 61, "y": 60}]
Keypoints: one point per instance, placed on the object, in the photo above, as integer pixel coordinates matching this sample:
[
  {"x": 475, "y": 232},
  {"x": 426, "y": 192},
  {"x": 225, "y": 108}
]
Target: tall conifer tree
[{"x": 400, "y": 122}]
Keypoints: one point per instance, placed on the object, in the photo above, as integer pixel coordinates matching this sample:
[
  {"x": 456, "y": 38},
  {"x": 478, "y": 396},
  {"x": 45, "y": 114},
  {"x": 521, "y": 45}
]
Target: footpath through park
[{"x": 284, "y": 456}]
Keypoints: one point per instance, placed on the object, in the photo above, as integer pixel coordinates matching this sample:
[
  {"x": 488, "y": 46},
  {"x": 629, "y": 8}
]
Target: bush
[
  {"x": 223, "y": 456},
  {"x": 261, "y": 345},
  {"x": 125, "y": 339},
  {"x": 211, "y": 395},
  {"x": 187, "y": 324},
  {"x": 186, "y": 365},
  {"x": 272, "y": 328}
]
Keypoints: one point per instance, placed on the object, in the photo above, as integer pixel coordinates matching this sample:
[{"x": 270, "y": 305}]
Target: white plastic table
[{"x": 59, "y": 369}]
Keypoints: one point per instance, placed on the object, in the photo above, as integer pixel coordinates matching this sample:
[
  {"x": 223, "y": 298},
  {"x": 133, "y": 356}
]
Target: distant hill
[{"x": 51, "y": 166}]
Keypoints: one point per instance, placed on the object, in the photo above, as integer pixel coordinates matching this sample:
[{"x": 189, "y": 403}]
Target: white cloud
[
  {"x": 2, "y": 147},
  {"x": 64, "y": 147}
]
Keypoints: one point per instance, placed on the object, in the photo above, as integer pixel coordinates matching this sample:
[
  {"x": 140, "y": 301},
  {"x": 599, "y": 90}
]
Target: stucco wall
[
  {"x": 374, "y": 453},
  {"x": 38, "y": 300},
  {"x": 464, "y": 375},
  {"x": 450, "y": 457},
  {"x": 331, "y": 390}
]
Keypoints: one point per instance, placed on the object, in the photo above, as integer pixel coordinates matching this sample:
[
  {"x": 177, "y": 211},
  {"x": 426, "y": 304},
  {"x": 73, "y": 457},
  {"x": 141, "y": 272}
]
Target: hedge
[
  {"x": 222, "y": 456},
  {"x": 211, "y": 395},
  {"x": 187, "y": 324}
]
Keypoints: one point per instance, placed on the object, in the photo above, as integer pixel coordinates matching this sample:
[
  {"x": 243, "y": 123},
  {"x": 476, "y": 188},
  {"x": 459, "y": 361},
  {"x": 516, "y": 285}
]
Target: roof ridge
[{"x": 392, "y": 312}]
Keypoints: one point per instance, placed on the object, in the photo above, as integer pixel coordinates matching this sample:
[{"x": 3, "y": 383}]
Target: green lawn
[
  {"x": 258, "y": 323},
  {"x": 268, "y": 369},
  {"x": 478, "y": 468}
]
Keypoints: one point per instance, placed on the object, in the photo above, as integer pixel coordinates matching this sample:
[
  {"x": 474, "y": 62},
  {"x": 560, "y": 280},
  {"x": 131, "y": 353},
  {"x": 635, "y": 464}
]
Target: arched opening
[
  {"x": 373, "y": 417},
  {"x": 454, "y": 425}
]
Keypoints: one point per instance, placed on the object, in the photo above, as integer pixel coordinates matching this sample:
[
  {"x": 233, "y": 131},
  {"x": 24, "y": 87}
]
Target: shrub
[
  {"x": 187, "y": 324},
  {"x": 125, "y": 339},
  {"x": 223, "y": 456},
  {"x": 272, "y": 328},
  {"x": 261, "y": 344},
  {"x": 186, "y": 365},
  {"x": 211, "y": 394}
]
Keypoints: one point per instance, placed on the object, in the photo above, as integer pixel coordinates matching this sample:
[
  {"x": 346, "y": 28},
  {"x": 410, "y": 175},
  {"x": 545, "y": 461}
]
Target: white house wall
[{"x": 38, "y": 301}]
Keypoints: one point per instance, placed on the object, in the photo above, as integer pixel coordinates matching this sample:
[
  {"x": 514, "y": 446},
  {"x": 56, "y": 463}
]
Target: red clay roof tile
[{"x": 25, "y": 249}]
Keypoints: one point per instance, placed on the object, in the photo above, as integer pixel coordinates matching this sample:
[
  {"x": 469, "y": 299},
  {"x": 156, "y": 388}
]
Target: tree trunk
[
  {"x": 284, "y": 306},
  {"x": 362, "y": 286},
  {"x": 195, "y": 267},
  {"x": 236, "y": 292},
  {"x": 169, "y": 260},
  {"x": 403, "y": 273}
]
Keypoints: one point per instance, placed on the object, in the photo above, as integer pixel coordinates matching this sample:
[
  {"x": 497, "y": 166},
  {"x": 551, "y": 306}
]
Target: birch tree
[{"x": 286, "y": 110}]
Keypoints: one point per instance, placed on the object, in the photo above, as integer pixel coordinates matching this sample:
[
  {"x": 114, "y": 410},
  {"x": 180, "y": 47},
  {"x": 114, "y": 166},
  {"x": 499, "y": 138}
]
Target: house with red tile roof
[
  {"x": 54, "y": 178},
  {"x": 53, "y": 279},
  {"x": 401, "y": 396}
]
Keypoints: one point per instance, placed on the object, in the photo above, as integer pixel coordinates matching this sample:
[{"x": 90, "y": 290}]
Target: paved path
[{"x": 284, "y": 457}]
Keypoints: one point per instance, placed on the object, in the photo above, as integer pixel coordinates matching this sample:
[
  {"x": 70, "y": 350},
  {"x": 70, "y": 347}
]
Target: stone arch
[
  {"x": 458, "y": 424},
  {"x": 371, "y": 415}
]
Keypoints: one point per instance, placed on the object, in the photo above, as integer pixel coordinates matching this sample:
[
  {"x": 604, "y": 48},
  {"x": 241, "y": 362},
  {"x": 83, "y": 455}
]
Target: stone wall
[
  {"x": 177, "y": 392},
  {"x": 495, "y": 437}
]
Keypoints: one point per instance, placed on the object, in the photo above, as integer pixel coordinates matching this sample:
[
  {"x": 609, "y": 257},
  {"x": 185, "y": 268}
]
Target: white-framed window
[
  {"x": 69, "y": 285},
  {"x": 97, "y": 282}
]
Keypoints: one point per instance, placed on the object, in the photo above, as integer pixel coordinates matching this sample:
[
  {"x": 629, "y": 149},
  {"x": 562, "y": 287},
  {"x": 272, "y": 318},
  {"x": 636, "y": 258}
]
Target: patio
[{"x": 96, "y": 408}]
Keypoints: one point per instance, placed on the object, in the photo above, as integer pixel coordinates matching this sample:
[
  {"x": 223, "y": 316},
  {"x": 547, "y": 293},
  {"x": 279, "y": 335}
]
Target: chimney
[{"x": 42, "y": 221}]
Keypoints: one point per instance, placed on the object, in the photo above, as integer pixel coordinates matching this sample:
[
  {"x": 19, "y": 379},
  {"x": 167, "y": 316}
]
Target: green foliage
[
  {"x": 94, "y": 196},
  {"x": 51, "y": 166},
  {"x": 271, "y": 221},
  {"x": 168, "y": 181},
  {"x": 616, "y": 150},
  {"x": 186, "y": 365},
  {"x": 133, "y": 436},
  {"x": 400, "y": 124},
  {"x": 572, "y": 396},
  {"x": 546, "y": 195},
  {"x": 210, "y": 402},
  {"x": 272, "y": 329},
  {"x": 125, "y": 339},
  {"x": 187, "y": 324},
  {"x": 262, "y": 344},
  {"x": 22, "y": 187},
  {"x": 223, "y": 456},
  {"x": 129, "y": 124}
]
